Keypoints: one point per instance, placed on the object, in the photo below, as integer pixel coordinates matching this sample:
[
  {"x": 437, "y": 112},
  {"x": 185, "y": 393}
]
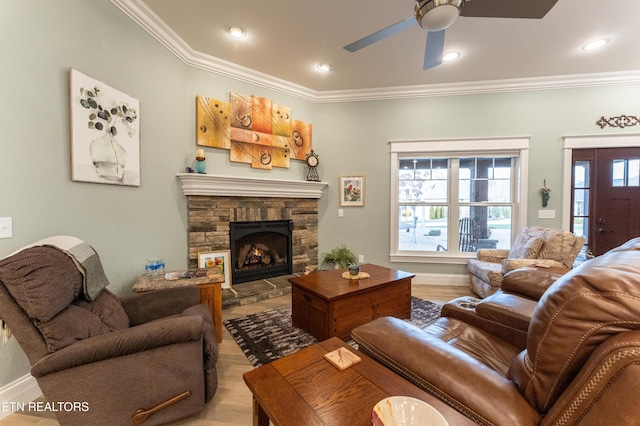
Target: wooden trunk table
[
  {"x": 210, "y": 292},
  {"x": 327, "y": 305},
  {"x": 306, "y": 389}
]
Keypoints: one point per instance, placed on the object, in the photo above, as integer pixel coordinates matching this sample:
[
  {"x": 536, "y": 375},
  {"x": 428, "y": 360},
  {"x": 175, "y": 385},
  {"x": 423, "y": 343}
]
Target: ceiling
[{"x": 286, "y": 39}]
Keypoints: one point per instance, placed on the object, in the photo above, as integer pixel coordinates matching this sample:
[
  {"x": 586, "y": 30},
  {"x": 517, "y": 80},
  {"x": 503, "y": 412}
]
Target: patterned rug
[{"x": 269, "y": 335}]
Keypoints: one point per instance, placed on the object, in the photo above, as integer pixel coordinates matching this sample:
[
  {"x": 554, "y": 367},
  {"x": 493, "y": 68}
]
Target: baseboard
[
  {"x": 22, "y": 390},
  {"x": 457, "y": 280}
]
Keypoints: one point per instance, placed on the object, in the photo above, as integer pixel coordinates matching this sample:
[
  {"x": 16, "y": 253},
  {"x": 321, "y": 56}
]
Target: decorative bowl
[{"x": 405, "y": 411}]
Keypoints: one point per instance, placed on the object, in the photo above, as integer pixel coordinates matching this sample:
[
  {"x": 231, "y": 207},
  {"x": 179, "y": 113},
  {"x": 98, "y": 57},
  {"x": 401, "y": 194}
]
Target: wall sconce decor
[{"x": 545, "y": 194}]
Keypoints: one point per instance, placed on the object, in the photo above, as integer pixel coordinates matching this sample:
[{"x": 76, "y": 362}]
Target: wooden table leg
[
  {"x": 211, "y": 295},
  {"x": 260, "y": 417}
]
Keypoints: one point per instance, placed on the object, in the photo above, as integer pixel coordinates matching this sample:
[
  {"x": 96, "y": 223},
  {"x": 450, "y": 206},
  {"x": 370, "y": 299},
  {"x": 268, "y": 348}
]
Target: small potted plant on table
[{"x": 340, "y": 257}]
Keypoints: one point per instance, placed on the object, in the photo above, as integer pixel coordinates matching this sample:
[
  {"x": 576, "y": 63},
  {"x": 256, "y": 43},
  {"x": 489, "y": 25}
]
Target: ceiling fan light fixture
[
  {"x": 436, "y": 15},
  {"x": 236, "y": 32}
]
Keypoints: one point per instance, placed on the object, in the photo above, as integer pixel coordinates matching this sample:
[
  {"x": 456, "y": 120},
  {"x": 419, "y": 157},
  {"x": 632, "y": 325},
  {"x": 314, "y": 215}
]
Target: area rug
[{"x": 269, "y": 335}]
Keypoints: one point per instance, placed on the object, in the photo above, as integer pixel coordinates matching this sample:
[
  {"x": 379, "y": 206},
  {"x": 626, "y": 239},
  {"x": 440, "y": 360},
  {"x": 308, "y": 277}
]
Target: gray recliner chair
[{"x": 145, "y": 359}]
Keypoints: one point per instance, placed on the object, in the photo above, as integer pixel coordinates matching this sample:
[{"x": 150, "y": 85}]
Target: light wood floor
[{"x": 232, "y": 403}]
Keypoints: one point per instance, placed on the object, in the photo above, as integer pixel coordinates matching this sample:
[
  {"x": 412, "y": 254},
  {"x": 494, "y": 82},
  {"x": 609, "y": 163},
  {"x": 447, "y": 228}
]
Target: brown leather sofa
[
  {"x": 581, "y": 363},
  {"x": 145, "y": 359},
  {"x": 507, "y": 312}
]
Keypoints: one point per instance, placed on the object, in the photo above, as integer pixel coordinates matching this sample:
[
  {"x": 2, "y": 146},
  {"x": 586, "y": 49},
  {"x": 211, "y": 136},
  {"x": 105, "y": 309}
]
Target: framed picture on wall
[
  {"x": 105, "y": 133},
  {"x": 352, "y": 191},
  {"x": 216, "y": 259}
]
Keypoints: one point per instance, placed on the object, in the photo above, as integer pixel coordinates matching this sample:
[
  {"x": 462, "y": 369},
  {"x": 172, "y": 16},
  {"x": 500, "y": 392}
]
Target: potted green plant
[{"x": 340, "y": 257}]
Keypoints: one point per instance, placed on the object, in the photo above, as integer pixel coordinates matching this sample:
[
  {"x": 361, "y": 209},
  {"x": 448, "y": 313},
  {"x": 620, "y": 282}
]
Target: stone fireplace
[{"x": 216, "y": 202}]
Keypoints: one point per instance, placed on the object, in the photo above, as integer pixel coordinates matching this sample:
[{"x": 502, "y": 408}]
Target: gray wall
[{"x": 41, "y": 39}]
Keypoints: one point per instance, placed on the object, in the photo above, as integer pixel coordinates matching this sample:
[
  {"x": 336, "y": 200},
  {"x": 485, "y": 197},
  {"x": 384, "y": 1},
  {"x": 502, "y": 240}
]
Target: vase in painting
[{"x": 108, "y": 156}]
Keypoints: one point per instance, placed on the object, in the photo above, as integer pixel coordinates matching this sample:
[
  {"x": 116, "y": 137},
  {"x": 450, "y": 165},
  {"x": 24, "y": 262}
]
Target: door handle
[{"x": 601, "y": 229}]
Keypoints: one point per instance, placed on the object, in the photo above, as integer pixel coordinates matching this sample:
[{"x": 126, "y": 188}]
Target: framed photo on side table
[
  {"x": 216, "y": 259},
  {"x": 352, "y": 191}
]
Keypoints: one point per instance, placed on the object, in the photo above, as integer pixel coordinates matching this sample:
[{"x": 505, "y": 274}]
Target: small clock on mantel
[{"x": 312, "y": 167}]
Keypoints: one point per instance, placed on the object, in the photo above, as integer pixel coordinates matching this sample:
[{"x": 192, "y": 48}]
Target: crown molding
[{"x": 158, "y": 29}]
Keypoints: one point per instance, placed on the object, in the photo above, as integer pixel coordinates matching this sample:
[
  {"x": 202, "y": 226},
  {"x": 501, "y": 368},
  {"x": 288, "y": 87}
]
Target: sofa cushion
[
  {"x": 43, "y": 280},
  {"x": 486, "y": 271},
  {"x": 527, "y": 244},
  {"x": 81, "y": 320},
  {"x": 107, "y": 308},
  {"x": 47, "y": 285},
  {"x": 562, "y": 247}
]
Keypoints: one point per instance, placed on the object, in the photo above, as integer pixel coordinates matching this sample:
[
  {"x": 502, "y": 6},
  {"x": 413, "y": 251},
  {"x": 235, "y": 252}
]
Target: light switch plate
[
  {"x": 6, "y": 227},
  {"x": 546, "y": 214}
]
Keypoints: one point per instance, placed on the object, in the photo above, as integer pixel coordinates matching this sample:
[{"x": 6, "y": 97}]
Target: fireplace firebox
[{"x": 260, "y": 249}]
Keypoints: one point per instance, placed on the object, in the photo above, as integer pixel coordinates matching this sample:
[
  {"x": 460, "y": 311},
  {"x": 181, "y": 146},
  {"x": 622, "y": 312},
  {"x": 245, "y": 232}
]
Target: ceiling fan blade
[
  {"x": 435, "y": 47},
  {"x": 532, "y": 9},
  {"x": 379, "y": 35}
]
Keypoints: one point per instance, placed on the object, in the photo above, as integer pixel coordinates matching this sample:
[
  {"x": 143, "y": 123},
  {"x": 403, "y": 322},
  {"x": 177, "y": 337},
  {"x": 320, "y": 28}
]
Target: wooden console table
[
  {"x": 327, "y": 305},
  {"x": 210, "y": 292}
]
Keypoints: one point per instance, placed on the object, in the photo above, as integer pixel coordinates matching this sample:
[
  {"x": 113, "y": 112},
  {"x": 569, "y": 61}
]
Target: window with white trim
[{"x": 451, "y": 198}]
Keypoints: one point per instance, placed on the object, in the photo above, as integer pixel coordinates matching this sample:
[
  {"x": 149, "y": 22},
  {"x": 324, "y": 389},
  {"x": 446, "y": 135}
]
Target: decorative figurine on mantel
[
  {"x": 201, "y": 166},
  {"x": 312, "y": 167}
]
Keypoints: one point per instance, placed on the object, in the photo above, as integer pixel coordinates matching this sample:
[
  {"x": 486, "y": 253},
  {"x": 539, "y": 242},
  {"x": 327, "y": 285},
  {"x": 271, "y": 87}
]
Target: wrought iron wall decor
[
  {"x": 621, "y": 121},
  {"x": 255, "y": 130}
]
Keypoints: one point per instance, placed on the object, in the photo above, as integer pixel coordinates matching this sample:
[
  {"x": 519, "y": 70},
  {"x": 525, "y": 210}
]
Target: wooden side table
[{"x": 210, "y": 292}]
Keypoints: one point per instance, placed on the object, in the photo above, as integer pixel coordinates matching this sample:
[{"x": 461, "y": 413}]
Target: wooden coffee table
[
  {"x": 327, "y": 305},
  {"x": 305, "y": 389}
]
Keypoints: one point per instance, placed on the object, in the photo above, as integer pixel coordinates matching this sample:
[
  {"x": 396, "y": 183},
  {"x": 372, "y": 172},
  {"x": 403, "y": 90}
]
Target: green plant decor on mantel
[{"x": 340, "y": 257}]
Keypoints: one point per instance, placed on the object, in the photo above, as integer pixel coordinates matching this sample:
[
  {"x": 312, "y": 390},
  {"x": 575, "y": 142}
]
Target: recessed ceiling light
[
  {"x": 236, "y": 32},
  {"x": 450, "y": 56},
  {"x": 324, "y": 67},
  {"x": 595, "y": 44}
]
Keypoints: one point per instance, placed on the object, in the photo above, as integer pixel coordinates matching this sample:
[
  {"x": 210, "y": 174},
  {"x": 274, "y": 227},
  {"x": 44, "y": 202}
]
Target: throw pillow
[
  {"x": 526, "y": 246},
  {"x": 562, "y": 247}
]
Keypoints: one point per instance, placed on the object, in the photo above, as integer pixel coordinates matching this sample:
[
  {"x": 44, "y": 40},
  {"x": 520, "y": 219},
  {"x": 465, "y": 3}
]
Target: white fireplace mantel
[{"x": 243, "y": 186}]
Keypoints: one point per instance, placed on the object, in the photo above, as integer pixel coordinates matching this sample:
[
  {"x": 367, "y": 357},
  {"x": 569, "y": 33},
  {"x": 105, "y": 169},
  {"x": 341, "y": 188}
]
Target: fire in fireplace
[{"x": 261, "y": 249}]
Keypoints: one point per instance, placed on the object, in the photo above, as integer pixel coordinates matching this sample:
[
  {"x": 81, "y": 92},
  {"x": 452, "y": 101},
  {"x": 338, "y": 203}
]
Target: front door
[
  {"x": 606, "y": 196},
  {"x": 617, "y": 203}
]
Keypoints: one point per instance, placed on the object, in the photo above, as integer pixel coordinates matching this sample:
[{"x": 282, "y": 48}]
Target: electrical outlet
[
  {"x": 340, "y": 212},
  {"x": 360, "y": 258},
  {"x": 6, "y": 227}
]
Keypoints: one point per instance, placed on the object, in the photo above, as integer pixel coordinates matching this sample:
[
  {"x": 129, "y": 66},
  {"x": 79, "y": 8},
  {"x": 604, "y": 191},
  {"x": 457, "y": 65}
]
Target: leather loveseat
[{"x": 581, "y": 363}]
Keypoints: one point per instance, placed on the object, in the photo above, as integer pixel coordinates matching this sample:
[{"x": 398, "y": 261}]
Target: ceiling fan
[{"x": 437, "y": 15}]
